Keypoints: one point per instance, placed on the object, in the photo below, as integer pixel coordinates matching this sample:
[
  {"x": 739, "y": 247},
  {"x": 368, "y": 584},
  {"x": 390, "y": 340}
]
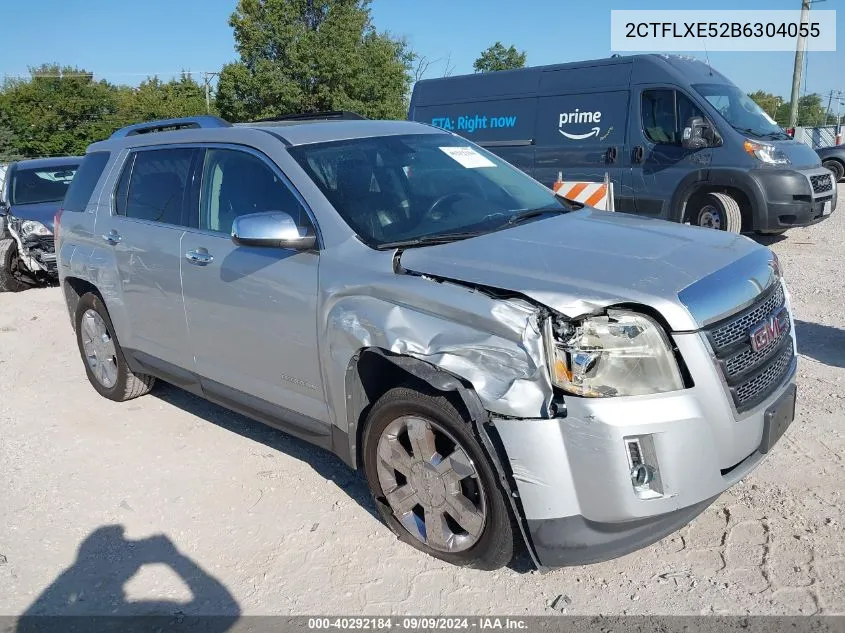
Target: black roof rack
[
  {"x": 191, "y": 122},
  {"x": 345, "y": 115}
]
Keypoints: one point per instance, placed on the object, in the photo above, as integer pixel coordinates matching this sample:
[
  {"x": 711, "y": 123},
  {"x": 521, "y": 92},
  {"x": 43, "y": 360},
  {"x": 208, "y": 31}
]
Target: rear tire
[
  {"x": 8, "y": 264},
  {"x": 836, "y": 167},
  {"x": 717, "y": 211},
  {"x": 102, "y": 356},
  {"x": 447, "y": 503}
]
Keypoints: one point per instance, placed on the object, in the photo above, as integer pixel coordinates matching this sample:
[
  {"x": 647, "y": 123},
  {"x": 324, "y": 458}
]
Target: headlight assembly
[
  {"x": 620, "y": 354},
  {"x": 766, "y": 153},
  {"x": 31, "y": 227}
]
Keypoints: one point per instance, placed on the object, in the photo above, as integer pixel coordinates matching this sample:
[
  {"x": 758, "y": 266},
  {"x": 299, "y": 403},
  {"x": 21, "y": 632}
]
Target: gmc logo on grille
[{"x": 764, "y": 334}]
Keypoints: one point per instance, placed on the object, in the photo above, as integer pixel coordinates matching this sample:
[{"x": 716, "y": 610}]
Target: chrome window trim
[{"x": 217, "y": 145}]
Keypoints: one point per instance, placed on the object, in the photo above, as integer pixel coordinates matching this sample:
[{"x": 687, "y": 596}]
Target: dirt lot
[{"x": 168, "y": 502}]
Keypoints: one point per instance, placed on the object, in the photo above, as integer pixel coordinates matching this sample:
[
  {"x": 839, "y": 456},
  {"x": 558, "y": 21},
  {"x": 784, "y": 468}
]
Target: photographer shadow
[{"x": 93, "y": 590}]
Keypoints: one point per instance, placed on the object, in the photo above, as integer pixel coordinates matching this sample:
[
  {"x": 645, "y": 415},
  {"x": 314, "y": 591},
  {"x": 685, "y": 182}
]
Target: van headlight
[
  {"x": 766, "y": 153},
  {"x": 620, "y": 354},
  {"x": 31, "y": 227}
]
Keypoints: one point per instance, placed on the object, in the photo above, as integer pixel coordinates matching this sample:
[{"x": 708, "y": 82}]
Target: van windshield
[
  {"x": 422, "y": 188},
  {"x": 740, "y": 111}
]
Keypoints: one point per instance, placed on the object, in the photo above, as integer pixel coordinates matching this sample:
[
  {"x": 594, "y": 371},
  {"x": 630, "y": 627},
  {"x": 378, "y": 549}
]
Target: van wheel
[
  {"x": 9, "y": 264},
  {"x": 432, "y": 483},
  {"x": 104, "y": 362},
  {"x": 836, "y": 167},
  {"x": 717, "y": 211}
]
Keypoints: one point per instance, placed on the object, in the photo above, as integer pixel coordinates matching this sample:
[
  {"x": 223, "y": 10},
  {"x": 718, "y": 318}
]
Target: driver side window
[
  {"x": 236, "y": 183},
  {"x": 664, "y": 115}
]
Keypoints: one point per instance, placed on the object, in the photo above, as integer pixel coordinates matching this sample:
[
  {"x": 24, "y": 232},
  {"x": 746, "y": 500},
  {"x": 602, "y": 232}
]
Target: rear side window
[
  {"x": 665, "y": 113},
  {"x": 85, "y": 181},
  {"x": 153, "y": 186}
]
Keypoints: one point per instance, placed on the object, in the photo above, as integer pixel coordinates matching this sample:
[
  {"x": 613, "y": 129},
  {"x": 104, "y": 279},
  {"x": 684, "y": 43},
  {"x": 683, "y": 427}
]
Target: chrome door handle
[
  {"x": 199, "y": 257},
  {"x": 112, "y": 237}
]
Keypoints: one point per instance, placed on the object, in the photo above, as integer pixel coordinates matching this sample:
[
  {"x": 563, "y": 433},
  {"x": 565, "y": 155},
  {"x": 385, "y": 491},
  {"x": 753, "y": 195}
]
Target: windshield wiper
[
  {"x": 429, "y": 240},
  {"x": 527, "y": 214}
]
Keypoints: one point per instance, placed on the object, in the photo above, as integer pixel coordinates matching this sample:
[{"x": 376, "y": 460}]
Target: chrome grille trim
[
  {"x": 746, "y": 359},
  {"x": 736, "y": 329},
  {"x": 751, "y": 376},
  {"x": 757, "y": 388}
]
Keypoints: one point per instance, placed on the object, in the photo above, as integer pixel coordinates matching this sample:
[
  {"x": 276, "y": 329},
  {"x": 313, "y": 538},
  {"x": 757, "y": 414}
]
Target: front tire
[
  {"x": 8, "y": 265},
  {"x": 837, "y": 168},
  {"x": 104, "y": 361},
  {"x": 717, "y": 211},
  {"x": 432, "y": 482}
]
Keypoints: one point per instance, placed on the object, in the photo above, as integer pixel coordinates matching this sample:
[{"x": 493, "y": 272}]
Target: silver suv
[{"x": 506, "y": 367}]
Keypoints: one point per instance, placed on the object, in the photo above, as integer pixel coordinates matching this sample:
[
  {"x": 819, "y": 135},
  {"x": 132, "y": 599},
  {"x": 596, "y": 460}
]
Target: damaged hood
[
  {"x": 584, "y": 261},
  {"x": 43, "y": 212}
]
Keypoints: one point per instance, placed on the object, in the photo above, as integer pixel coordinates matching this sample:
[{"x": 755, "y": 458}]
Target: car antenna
[{"x": 707, "y": 57}]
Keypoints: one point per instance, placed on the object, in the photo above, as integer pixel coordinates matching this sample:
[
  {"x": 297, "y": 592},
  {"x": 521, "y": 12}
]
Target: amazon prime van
[{"x": 678, "y": 140}]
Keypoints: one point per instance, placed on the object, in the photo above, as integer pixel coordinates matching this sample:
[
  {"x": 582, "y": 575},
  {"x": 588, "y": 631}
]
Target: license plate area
[
  {"x": 777, "y": 419},
  {"x": 828, "y": 207}
]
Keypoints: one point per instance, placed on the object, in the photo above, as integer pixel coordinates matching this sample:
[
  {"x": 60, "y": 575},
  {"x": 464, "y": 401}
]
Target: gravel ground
[{"x": 169, "y": 502}]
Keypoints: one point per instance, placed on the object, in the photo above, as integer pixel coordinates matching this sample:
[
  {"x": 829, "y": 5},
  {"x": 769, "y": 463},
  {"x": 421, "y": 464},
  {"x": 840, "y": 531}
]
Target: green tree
[
  {"x": 312, "y": 55},
  {"x": 497, "y": 57},
  {"x": 156, "y": 99},
  {"x": 767, "y": 101},
  {"x": 8, "y": 151},
  {"x": 58, "y": 111}
]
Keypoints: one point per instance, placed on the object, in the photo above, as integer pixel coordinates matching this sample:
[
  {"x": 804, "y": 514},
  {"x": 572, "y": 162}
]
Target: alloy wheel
[
  {"x": 99, "y": 348},
  {"x": 431, "y": 484}
]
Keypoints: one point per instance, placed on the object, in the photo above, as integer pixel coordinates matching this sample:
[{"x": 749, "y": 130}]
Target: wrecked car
[
  {"x": 32, "y": 193},
  {"x": 507, "y": 368}
]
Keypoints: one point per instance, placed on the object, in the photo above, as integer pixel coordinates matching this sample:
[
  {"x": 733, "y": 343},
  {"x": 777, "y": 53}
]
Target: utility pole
[
  {"x": 206, "y": 79},
  {"x": 799, "y": 65}
]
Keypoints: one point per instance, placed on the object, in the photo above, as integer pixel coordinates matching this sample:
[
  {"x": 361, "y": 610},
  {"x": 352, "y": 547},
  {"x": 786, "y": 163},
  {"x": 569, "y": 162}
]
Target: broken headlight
[
  {"x": 620, "y": 354},
  {"x": 31, "y": 227}
]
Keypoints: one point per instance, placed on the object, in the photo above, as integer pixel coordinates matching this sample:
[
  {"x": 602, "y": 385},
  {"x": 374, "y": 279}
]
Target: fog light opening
[
  {"x": 643, "y": 467},
  {"x": 642, "y": 475}
]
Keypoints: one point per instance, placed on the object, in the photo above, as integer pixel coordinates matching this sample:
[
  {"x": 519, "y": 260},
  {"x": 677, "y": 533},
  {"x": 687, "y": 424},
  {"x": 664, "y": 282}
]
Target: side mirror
[
  {"x": 698, "y": 134},
  {"x": 275, "y": 229}
]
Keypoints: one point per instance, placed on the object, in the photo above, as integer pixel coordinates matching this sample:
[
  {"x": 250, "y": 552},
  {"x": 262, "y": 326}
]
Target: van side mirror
[
  {"x": 698, "y": 134},
  {"x": 274, "y": 229}
]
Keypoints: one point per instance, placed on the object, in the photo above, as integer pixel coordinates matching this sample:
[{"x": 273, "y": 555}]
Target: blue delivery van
[{"x": 678, "y": 139}]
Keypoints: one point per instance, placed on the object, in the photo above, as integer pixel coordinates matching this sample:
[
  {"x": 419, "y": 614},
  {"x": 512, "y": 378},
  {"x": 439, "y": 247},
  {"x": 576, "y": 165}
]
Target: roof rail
[
  {"x": 190, "y": 122},
  {"x": 345, "y": 115}
]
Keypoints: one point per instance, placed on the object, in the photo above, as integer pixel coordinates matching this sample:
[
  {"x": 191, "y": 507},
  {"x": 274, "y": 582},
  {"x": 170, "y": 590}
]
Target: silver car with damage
[{"x": 506, "y": 367}]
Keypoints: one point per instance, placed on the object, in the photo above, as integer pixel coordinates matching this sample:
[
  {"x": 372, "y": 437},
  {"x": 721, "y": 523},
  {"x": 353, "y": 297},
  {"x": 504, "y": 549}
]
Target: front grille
[
  {"x": 821, "y": 183},
  {"x": 751, "y": 375},
  {"x": 736, "y": 329},
  {"x": 757, "y": 388}
]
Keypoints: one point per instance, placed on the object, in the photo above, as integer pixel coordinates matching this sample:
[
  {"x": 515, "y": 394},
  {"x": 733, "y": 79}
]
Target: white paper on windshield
[{"x": 467, "y": 157}]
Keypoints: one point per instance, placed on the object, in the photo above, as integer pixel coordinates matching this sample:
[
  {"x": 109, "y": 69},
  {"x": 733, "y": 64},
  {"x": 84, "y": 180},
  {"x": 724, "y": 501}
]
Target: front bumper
[
  {"x": 573, "y": 474},
  {"x": 791, "y": 200}
]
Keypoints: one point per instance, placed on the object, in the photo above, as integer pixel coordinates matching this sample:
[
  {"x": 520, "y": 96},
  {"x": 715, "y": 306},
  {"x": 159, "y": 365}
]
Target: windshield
[
  {"x": 740, "y": 111},
  {"x": 416, "y": 187},
  {"x": 47, "y": 184}
]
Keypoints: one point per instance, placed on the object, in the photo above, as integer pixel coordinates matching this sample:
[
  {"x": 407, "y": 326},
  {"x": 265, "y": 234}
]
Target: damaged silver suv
[{"x": 505, "y": 367}]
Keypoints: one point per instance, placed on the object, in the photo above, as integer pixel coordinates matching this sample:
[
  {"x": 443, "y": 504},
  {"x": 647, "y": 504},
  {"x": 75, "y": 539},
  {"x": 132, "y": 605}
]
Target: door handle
[
  {"x": 199, "y": 257},
  {"x": 638, "y": 154},
  {"x": 611, "y": 154},
  {"x": 112, "y": 237}
]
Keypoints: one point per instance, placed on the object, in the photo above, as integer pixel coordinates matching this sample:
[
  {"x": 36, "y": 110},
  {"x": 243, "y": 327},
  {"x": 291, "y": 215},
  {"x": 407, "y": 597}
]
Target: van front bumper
[
  {"x": 790, "y": 200},
  {"x": 573, "y": 474}
]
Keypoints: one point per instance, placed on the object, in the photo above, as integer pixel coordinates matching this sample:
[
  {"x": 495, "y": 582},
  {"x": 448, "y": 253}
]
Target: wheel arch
[
  {"x": 365, "y": 383},
  {"x": 736, "y": 183},
  {"x": 74, "y": 289}
]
